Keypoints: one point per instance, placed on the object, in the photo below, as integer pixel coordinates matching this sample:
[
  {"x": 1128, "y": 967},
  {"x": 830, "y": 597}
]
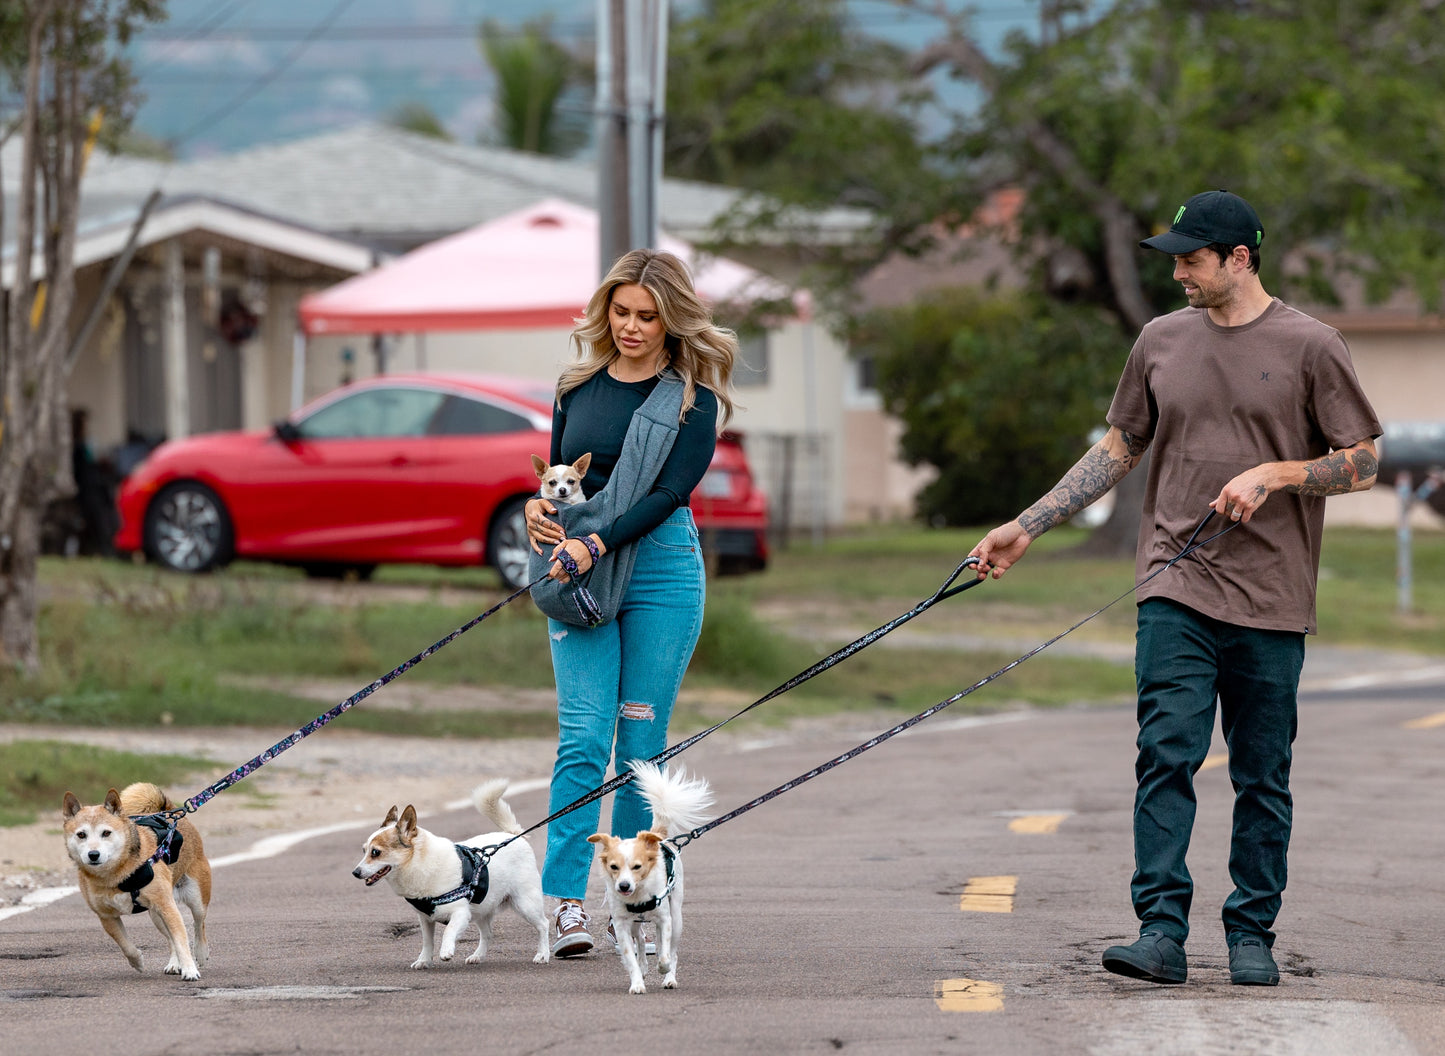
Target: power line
[{"x": 265, "y": 79}]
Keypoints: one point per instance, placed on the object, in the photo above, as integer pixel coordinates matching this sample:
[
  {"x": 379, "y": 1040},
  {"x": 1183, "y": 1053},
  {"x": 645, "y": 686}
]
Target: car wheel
[
  {"x": 507, "y": 545},
  {"x": 187, "y": 528}
]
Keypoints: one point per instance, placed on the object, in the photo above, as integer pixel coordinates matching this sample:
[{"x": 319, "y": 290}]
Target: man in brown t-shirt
[{"x": 1252, "y": 410}]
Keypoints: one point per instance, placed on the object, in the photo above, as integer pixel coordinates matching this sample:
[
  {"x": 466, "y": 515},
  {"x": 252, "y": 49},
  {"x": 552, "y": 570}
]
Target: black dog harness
[
  {"x": 475, "y": 881},
  {"x": 168, "y": 846},
  {"x": 669, "y": 857}
]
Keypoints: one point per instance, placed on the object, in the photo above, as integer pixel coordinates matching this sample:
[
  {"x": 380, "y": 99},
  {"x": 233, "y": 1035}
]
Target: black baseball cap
[{"x": 1214, "y": 216}]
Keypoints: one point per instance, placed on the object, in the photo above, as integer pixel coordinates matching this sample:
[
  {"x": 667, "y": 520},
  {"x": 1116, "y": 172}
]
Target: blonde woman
[{"x": 616, "y": 683}]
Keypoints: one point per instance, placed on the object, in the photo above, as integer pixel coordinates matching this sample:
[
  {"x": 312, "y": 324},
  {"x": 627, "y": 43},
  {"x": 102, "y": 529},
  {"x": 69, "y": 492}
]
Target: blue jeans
[
  {"x": 1183, "y": 661},
  {"x": 616, "y": 685}
]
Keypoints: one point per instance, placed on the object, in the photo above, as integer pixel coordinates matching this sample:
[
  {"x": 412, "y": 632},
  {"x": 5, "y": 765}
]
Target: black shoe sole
[
  {"x": 1125, "y": 967},
  {"x": 1253, "y": 979}
]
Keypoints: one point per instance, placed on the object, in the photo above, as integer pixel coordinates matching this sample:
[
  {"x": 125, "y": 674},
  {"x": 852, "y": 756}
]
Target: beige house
[{"x": 245, "y": 237}]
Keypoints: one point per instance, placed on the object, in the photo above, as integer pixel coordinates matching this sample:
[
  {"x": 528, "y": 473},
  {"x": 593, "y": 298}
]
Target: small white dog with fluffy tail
[{"x": 643, "y": 875}]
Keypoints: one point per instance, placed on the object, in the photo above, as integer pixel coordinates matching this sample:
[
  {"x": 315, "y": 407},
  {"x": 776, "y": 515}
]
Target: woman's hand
[
  {"x": 541, "y": 531},
  {"x": 578, "y": 551}
]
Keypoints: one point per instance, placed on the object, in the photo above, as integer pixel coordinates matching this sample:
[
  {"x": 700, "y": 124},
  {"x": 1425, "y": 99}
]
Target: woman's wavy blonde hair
[{"x": 697, "y": 349}]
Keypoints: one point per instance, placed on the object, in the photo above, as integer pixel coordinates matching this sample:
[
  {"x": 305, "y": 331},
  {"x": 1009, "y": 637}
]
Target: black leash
[
  {"x": 245, "y": 769},
  {"x": 946, "y": 590},
  {"x": 683, "y": 839}
]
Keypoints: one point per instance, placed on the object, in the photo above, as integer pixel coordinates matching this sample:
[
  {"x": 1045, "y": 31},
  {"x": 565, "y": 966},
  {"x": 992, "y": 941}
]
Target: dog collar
[
  {"x": 475, "y": 881},
  {"x": 669, "y": 856}
]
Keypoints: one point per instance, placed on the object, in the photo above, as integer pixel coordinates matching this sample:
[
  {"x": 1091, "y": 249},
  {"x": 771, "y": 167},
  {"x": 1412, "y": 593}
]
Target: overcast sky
[{"x": 225, "y": 74}]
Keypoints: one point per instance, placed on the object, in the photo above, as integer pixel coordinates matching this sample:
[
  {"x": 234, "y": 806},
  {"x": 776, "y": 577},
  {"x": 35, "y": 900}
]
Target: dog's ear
[
  {"x": 582, "y": 463},
  {"x": 650, "y": 838},
  {"x": 607, "y": 840},
  {"x": 407, "y": 824},
  {"x": 112, "y": 801},
  {"x": 539, "y": 467},
  {"x": 69, "y": 806},
  {"x": 391, "y": 816}
]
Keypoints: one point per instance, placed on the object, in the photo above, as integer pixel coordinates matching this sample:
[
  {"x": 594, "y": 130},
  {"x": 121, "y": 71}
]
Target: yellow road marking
[
  {"x": 1429, "y": 722},
  {"x": 988, "y": 894},
  {"x": 967, "y": 995},
  {"x": 1211, "y": 761},
  {"x": 1037, "y": 824}
]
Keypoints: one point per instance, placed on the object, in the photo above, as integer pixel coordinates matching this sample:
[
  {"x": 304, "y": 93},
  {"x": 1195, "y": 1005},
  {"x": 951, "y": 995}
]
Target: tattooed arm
[
  {"x": 1103, "y": 466},
  {"x": 1342, "y": 471}
]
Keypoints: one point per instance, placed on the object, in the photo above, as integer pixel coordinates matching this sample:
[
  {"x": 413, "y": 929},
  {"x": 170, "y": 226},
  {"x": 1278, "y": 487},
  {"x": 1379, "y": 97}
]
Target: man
[{"x": 1253, "y": 410}]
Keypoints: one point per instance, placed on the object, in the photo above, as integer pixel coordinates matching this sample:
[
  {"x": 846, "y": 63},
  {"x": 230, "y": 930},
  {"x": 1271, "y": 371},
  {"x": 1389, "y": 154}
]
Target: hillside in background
[{"x": 222, "y": 75}]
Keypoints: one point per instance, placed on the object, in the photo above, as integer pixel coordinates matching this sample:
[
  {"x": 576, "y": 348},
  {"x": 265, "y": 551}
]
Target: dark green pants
[{"x": 1183, "y": 662}]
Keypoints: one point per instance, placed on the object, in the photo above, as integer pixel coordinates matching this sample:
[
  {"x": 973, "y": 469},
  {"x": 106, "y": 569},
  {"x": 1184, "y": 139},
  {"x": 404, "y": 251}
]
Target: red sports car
[{"x": 403, "y": 468}]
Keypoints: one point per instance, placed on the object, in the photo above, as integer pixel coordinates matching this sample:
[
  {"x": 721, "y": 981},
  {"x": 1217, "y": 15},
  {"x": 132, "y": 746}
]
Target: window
[
  {"x": 375, "y": 413},
  {"x": 461, "y": 416}
]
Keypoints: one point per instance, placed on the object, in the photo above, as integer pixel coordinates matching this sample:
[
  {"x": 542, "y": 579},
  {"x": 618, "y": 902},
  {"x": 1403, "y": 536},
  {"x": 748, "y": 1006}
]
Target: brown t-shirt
[{"x": 1215, "y": 401}]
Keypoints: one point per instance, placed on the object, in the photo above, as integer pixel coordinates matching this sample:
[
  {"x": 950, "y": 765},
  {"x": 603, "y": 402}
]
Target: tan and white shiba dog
[
  {"x": 562, "y": 484},
  {"x": 420, "y": 866},
  {"x": 110, "y": 851},
  {"x": 642, "y": 876}
]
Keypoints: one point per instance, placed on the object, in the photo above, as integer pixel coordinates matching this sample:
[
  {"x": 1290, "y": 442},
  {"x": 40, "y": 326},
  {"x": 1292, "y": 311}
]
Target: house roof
[
  {"x": 398, "y": 189},
  {"x": 536, "y": 267},
  {"x": 287, "y": 248}
]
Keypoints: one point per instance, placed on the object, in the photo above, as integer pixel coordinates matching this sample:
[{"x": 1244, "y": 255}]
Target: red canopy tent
[{"x": 533, "y": 268}]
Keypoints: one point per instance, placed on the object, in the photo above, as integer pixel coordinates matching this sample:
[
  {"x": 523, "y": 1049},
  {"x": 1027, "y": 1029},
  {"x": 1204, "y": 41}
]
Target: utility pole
[{"x": 631, "y": 95}]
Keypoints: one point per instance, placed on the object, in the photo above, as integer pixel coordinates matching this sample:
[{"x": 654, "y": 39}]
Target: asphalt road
[{"x": 949, "y": 891}]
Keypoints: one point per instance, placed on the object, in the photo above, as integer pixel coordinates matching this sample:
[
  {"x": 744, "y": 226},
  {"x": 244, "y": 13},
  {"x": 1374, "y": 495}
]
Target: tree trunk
[{"x": 19, "y": 604}]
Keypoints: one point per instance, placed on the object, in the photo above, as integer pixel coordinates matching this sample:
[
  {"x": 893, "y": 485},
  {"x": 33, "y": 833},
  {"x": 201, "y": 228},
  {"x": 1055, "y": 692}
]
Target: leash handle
[{"x": 945, "y": 591}]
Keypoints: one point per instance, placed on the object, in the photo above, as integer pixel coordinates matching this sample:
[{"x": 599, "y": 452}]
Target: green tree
[
  {"x": 1000, "y": 434},
  {"x": 1327, "y": 115},
  {"x": 533, "y": 75},
  {"x": 419, "y": 118},
  {"x": 789, "y": 99},
  {"x": 61, "y": 58}
]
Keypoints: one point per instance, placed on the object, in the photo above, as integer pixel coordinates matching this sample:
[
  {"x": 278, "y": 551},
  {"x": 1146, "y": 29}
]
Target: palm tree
[{"x": 533, "y": 73}]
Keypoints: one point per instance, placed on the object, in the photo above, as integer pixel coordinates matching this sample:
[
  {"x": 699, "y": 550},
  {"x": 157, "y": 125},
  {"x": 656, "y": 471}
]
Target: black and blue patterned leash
[
  {"x": 946, "y": 590},
  {"x": 683, "y": 839},
  {"x": 245, "y": 769}
]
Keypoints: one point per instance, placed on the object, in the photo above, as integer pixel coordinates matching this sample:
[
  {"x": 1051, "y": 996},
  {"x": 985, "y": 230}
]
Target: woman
[{"x": 616, "y": 683}]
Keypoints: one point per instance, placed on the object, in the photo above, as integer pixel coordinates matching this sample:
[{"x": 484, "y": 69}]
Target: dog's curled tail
[
  {"x": 143, "y": 798},
  {"x": 678, "y": 801},
  {"x": 487, "y": 798}
]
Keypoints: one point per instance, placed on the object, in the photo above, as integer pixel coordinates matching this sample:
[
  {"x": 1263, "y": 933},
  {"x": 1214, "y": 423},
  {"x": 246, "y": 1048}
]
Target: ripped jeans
[{"x": 616, "y": 685}]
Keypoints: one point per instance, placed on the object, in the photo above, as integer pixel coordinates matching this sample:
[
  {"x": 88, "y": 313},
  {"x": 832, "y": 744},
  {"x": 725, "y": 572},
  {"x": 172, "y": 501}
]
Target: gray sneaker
[
  {"x": 1154, "y": 956},
  {"x": 1251, "y": 963},
  {"x": 572, "y": 937}
]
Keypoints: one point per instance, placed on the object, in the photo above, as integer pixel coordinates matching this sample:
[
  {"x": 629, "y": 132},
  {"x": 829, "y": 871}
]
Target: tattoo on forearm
[
  {"x": 1091, "y": 477},
  {"x": 1337, "y": 473}
]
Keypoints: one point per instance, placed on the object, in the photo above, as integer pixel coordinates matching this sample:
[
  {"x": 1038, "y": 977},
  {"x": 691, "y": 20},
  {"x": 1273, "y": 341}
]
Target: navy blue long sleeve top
[{"x": 594, "y": 417}]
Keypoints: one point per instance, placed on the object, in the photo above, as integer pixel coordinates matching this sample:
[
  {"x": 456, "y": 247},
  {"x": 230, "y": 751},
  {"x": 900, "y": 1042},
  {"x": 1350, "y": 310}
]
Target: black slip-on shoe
[
  {"x": 1154, "y": 957},
  {"x": 1251, "y": 963}
]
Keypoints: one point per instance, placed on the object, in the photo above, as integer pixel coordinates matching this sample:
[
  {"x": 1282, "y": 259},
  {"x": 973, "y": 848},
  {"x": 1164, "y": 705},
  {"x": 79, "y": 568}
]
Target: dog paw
[
  {"x": 542, "y": 958},
  {"x": 446, "y": 955},
  {"x": 476, "y": 958},
  {"x": 669, "y": 982},
  {"x": 637, "y": 988},
  {"x": 191, "y": 976},
  {"x": 419, "y": 964},
  {"x": 137, "y": 961},
  {"x": 173, "y": 967}
]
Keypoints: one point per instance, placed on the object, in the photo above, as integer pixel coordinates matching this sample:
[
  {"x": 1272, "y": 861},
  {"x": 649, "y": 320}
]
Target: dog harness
[
  {"x": 475, "y": 881},
  {"x": 168, "y": 846},
  {"x": 669, "y": 856}
]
